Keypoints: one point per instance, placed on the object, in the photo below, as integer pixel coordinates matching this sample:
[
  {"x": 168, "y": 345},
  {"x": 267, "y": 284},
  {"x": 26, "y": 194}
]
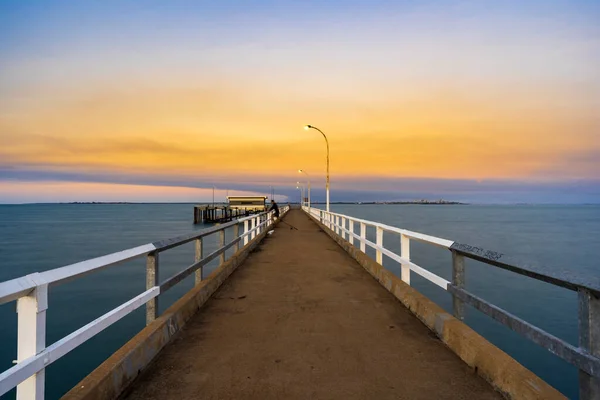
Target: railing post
[
  {"x": 199, "y": 254},
  {"x": 351, "y": 229},
  {"x": 589, "y": 340},
  {"x": 221, "y": 244},
  {"x": 379, "y": 242},
  {"x": 337, "y": 222},
  {"x": 405, "y": 253},
  {"x": 252, "y": 226},
  {"x": 152, "y": 270},
  {"x": 342, "y": 232},
  {"x": 458, "y": 280},
  {"x": 363, "y": 236},
  {"x": 236, "y": 234},
  {"x": 31, "y": 340},
  {"x": 246, "y": 238}
]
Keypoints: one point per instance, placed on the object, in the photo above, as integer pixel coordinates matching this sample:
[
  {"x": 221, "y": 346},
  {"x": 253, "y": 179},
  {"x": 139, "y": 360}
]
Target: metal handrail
[
  {"x": 13, "y": 289},
  {"x": 586, "y": 357},
  {"x": 572, "y": 282},
  {"x": 31, "y": 294}
]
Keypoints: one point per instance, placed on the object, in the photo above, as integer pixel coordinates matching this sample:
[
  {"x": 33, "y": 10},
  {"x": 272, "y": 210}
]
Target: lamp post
[
  {"x": 298, "y": 187},
  {"x": 302, "y": 188},
  {"x": 307, "y": 127},
  {"x": 308, "y": 178}
]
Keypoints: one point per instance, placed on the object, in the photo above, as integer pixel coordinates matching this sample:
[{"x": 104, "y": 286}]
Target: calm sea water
[{"x": 40, "y": 237}]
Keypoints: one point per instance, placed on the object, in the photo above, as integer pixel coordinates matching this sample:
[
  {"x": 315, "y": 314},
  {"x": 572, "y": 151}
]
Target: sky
[{"x": 475, "y": 101}]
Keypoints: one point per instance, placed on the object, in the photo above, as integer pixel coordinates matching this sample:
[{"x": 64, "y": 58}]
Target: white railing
[
  {"x": 586, "y": 357},
  {"x": 31, "y": 294}
]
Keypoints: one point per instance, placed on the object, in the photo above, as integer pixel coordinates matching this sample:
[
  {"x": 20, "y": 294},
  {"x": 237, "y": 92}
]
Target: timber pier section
[
  {"x": 300, "y": 313},
  {"x": 216, "y": 214}
]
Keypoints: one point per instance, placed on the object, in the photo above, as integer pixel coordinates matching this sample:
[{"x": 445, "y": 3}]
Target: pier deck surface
[{"x": 301, "y": 319}]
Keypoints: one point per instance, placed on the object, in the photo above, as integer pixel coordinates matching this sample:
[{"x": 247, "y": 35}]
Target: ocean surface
[{"x": 41, "y": 237}]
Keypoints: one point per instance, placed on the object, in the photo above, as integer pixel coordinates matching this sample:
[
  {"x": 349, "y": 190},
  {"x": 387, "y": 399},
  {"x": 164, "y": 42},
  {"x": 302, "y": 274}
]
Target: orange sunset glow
[{"x": 203, "y": 96}]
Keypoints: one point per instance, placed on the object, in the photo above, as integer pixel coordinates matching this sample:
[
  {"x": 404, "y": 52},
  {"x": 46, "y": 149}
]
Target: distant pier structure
[{"x": 237, "y": 206}]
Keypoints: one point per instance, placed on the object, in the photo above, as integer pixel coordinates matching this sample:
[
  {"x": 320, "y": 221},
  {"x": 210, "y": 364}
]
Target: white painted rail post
[
  {"x": 337, "y": 223},
  {"x": 363, "y": 236},
  {"x": 405, "y": 253},
  {"x": 246, "y": 238},
  {"x": 342, "y": 231},
  {"x": 379, "y": 242},
  {"x": 31, "y": 340},
  {"x": 221, "y": 244},
  {"x": 589, "y": 340},
  {"x": 199, "y": 254},
  {"x": 252, "y": 226},
  {"x": 458, "y": 280},
  {"x": 152, "y": 270},
  {"x": 236, "y": 234},
  {"x": 351, "y": 229}
]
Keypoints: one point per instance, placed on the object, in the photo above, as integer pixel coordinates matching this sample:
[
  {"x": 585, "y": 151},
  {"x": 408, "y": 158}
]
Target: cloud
[
  {"x": 373, "y": 188},
  {"x": 406, "y": 93}
]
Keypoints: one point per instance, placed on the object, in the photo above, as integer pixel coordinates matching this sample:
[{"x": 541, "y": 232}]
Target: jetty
[
  {"x": 236, "y": 207},
  {"x": 301, "y": 313},
  {"x": 217, "y": 214}
]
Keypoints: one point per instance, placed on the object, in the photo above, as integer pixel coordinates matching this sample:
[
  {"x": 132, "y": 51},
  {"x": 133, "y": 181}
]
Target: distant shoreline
[
  {"x": 385, "y": 203},
  {"x": 420, "y": 202},
  {"x": 314, "y": 203}
]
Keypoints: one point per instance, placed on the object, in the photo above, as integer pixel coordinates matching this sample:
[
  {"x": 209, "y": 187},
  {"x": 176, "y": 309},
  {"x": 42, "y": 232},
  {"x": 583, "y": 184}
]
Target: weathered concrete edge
[
  {"x": 502, "y": 371},
  {"x": 116, "y": 374}
]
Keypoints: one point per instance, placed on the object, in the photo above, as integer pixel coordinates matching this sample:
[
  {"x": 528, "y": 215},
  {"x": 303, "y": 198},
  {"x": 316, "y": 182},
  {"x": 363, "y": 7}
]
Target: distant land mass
[{"x": 423, "y": 202}]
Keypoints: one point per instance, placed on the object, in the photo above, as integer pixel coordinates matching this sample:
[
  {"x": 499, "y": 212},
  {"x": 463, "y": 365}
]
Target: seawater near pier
[{"x": 39, "y": 237}]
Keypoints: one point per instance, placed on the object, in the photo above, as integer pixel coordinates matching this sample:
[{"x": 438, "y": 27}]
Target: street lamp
[
  {"x": 308, "y": 178},
  {"x": 302, "y": 188},
  {"x": 307, "y": 127},
  {"x": 301, "y": 194}
]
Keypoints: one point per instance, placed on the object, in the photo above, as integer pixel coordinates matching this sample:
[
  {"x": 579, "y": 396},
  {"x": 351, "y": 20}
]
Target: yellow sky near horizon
[{"x": 442, "y": 134}]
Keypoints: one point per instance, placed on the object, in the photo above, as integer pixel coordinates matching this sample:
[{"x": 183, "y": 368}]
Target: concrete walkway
[{"x": 300, "y": 319}]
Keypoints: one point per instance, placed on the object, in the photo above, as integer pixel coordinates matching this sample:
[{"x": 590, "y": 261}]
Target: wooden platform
[{"x": 213, "y": 214}]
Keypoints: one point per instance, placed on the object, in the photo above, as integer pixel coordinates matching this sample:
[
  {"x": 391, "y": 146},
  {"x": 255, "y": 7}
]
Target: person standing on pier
[{"x": 275, "y": 208}]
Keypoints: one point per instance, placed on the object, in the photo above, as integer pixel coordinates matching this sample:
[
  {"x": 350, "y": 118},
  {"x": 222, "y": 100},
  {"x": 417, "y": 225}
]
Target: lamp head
[
  {"x": 307, "y": 127},
  {"x": 300, "y": 170}
]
